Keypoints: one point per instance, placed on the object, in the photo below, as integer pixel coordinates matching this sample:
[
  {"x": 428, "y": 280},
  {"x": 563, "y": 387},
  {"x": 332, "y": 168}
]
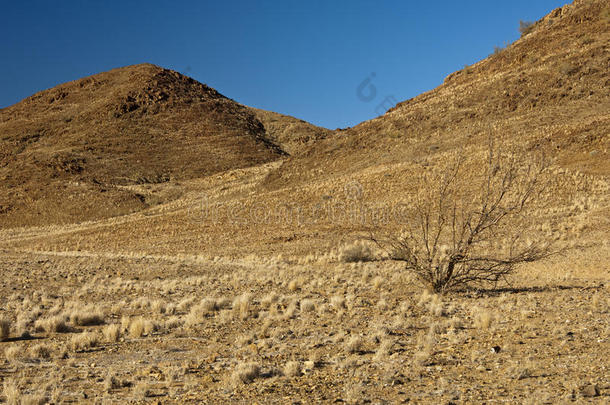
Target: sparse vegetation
[{"x": 526, "y": 27}]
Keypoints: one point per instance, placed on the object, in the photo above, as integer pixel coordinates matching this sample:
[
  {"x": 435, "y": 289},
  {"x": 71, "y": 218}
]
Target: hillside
[
  {"x": 294, "y": 135},
  {"x": 547, "y": 91},
  {"x": 525, "y": 97},
  {"x": 74, "y": 152}
]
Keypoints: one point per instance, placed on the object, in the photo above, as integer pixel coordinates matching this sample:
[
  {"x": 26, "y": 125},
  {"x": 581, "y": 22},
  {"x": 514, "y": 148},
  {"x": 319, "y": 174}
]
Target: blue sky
[{"x": 303, "y": 58}]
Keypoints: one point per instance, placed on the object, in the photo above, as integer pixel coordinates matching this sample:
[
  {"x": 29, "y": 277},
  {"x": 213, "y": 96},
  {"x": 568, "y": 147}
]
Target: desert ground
[
  {"x": 338, "y": 324},
  {"x": 162, "y": 243}
]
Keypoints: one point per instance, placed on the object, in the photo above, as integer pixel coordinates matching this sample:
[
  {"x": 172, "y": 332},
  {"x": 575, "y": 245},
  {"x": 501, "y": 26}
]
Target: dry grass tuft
[
  {"x": 112, "y": 333},
  {"x": 40, "y": 351},
  {"x": 242, "y": 306},
  {"x": 54, "y": 324},
  {"x": 112, "y": 382},
  {"x": 245, "y": 373},
  {"x": 140, "y": 327},
  {"x": 87, "y": 317},
  {"x": 338, "y": 302},
  {"x": 11, "y": 392},
  {"x": 142, "y": 390},
  {"x": 13, "y": 353},
  {"x": 384, "y": 349},
  {"x": 308, "y": 305},
  {"x": 358, "y": 251},
  {"x": 5, "y": 328},
  {"x": 483, "y": 318},
  {"x": 292, "y": 369},
  {"x": 83, "y": 341},
  {"x": 354, "y": 345}
]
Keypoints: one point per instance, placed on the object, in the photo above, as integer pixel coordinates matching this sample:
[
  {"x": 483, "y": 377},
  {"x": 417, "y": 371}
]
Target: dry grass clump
[
  {"x": 308, "y": 305},
  {"x": 54, "y": 324},
  {"x": 185, "y": 304},
  {"x": 112, "y": 382},
  {"x": 158, "y": 306},
  {"x": 5, "y": 328},
  {"x": 112, "y": 333},
  {"x": 294, "y": 285},
  {"x": 338, "y": 302},
  {"x": 354, "y": 345},
  {"x": 13, "y": 353},
  {"x": 140, "y": 327},
  {"x": 87, "y": 317},
  {"x": 242, "y": 306},
  {"x": 40, "y": 351},
  {"x": 425, "y": 348},
  {"x": 358, "y": 251},
  {"x": 245, "y": 373},
  {"x": 269, "y": 299},
  {"x": 83, "y": 341},
  {"x": 11, "y": 392},
  {"x": 142, "y": 390},
  {"x": 384, "y": 349},
  {"x": 378, "y": 282},
  {"x": 483, "y": 318},
  {"x": 292, "y": 369}
]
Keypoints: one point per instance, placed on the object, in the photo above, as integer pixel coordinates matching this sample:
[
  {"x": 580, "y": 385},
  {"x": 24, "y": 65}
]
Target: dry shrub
[
  {"x": 245, "y": 373},
  {"x": 470, "y": 231},
  {"x": 526, "y": 27},
  {"x": 359, "y": 251}
]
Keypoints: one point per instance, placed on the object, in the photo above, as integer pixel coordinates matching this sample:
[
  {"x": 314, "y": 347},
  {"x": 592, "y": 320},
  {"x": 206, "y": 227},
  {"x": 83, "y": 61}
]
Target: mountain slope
[
  {"x": 71, "y": 151},
  {"x": 294, "y": 135},
  {"x": 547, "y": 91}
]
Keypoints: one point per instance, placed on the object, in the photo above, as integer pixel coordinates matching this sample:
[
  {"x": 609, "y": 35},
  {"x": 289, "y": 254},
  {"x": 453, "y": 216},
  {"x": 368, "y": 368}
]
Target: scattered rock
[{"x": 589, "y": 391}]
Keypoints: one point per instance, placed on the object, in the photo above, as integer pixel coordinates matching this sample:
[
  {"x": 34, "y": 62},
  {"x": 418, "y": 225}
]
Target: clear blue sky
[{"x": 304, "y": 58}]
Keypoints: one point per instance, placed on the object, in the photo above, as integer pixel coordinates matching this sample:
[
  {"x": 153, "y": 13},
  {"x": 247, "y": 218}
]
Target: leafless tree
[{"x": 467, "y": 230}]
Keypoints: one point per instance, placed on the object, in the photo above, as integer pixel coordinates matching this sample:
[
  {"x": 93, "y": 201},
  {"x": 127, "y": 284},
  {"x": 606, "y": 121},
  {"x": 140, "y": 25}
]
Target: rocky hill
[
  {"x": 73, "y": 152},
  {"x": 547, "y": 91}
]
